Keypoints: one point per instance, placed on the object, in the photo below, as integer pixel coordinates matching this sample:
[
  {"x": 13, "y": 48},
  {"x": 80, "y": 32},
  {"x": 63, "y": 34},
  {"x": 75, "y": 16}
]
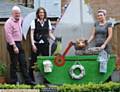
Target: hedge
[{"x": 90, "y": 87}]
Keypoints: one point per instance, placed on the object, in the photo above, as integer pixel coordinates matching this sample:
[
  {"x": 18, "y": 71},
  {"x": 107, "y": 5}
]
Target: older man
[{"x": 13, "y": 35}]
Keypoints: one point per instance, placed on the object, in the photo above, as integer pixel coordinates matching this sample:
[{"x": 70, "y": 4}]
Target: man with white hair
[{"x": 13, "y": 35}]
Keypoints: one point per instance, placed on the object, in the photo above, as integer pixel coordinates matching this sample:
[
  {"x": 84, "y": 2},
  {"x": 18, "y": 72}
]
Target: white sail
[
  {"x": 76, "y": 22},
  {"x": 26, "y": 23}
]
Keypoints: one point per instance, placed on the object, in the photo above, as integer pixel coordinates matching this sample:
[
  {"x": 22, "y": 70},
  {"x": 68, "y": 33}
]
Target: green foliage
[
  {"x": 35, "y": 67},
  {"x": 12, "y": 0},
  {"x": 39, "y": 86},
  {"x": 8, "y": 86},
  {"x": 87, "y": 1},
  {"x": 90, "y": 87},
  {"x": 3, "y": 69}
]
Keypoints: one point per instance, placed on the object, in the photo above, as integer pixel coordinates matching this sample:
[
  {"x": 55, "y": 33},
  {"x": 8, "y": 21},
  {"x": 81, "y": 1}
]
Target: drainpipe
[{"x": 26, "y": 3}]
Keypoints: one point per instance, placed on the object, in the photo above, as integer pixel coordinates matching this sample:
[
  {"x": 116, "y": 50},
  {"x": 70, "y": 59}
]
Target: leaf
[{"x": 87, "y": 1}]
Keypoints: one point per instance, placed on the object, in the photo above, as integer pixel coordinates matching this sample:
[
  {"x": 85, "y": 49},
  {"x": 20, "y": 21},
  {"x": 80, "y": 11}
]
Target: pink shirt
[{"x": 13, "y": 30}]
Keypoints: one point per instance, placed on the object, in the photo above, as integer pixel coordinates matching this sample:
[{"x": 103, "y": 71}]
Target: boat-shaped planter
[{"x": 61, "y": 74}]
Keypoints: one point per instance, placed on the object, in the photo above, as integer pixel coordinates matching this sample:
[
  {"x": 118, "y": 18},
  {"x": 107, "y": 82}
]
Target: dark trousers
[
  {"x": 42, "y": 50},
  {"x": 20, "y": 58}
]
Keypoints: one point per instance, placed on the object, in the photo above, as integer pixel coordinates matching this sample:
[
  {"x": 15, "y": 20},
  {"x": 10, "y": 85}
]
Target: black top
[
  {"x": 41, "y": 32},
  {"x": 101, "y": 33}
]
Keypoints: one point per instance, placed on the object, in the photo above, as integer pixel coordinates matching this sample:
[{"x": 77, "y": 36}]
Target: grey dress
[{"x": 101, "y": 34}]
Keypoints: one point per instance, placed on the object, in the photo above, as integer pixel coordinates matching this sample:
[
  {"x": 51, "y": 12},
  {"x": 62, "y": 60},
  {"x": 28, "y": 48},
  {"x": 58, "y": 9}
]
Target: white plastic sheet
[{"x": 26, "y": 23}]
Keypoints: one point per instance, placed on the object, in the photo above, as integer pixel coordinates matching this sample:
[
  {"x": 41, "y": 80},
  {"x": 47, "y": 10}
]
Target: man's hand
[{"x": 15, "y": 48}]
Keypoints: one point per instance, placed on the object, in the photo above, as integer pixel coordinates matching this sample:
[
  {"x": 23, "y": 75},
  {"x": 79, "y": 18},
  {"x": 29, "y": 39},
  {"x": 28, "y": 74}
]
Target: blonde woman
[{"x": 102, "y": 32}]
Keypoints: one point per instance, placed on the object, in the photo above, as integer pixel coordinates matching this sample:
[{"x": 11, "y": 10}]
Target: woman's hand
[
  {"x": 103, "y": 47},
  {"x": 34, "y": 48}
]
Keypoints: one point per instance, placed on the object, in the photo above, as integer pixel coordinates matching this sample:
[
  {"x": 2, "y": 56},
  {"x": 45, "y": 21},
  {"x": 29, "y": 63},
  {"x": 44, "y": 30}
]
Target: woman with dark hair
[{"x": 40, "y": 34}]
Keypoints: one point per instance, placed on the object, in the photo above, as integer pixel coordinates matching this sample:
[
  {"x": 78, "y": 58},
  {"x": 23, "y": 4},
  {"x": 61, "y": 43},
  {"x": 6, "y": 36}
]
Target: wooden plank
[
  {"x": 4, "y": 55},
  {"x": 0, "y": 42},
  {"x": 27, "y": 47},
  {"x": 118, "y": 35},
  {"x": 115, "y": 40}
]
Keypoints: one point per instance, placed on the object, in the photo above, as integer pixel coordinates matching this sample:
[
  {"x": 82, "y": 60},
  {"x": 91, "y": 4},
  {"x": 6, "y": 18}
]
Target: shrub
[
  {"x": 3, "y": 69},
  {"x": 90, "y": 87}
]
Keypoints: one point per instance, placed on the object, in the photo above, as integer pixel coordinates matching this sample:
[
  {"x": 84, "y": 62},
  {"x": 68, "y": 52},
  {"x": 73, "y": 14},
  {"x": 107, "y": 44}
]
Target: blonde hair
[{"x": 102, "y": 11}]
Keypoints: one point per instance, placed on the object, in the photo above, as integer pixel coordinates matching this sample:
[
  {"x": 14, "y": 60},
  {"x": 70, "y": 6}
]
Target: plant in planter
[
  {"x": 3, "y": 72},
  {"x": 35, "y": 67},
  {"x": 37, "y": 74}
]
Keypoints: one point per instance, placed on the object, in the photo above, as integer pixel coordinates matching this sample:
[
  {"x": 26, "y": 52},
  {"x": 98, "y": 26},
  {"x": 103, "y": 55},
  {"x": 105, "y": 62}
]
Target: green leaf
[{"x": 87, "y": 1}]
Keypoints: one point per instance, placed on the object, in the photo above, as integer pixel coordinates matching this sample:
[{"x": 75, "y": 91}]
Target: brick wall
[
  {"x": 63, "y": 2},
  {"x": 112, "y": 7}
]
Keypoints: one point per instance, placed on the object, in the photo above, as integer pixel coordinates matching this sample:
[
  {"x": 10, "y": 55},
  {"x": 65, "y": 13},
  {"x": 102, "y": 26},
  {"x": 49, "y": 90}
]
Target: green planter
[{"x": 60, "y": 75}]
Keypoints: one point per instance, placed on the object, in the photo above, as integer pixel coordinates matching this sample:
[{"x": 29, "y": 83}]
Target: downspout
[{"x": 26, "y": 3}]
